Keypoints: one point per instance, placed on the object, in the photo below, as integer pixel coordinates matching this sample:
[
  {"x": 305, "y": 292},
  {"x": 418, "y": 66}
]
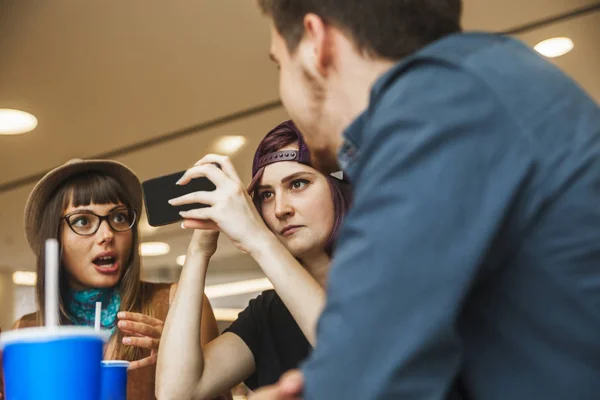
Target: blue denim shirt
[{"x": 472, "y": 251}]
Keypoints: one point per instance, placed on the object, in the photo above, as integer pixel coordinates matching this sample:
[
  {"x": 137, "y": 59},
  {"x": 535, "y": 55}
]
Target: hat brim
[{"x": 44, "y": 189}]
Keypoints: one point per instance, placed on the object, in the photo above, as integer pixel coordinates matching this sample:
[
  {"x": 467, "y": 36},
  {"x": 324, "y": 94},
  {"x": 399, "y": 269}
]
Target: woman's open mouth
[{"x": 106, "y": 263}]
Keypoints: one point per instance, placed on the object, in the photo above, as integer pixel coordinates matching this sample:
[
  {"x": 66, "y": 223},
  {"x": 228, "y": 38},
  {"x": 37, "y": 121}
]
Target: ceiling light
[
  {"x": 15, "y": 122},
  {"x": 229, "y": 145},
  {"x": 235, "y": 288},
  {"x": 23, "y": 278},
  {"x": 180, "y": 260},
  {"x": 227, "y": 314},
  {"x": 554, "y": 47},
  {"x": 153, "y": 249}
]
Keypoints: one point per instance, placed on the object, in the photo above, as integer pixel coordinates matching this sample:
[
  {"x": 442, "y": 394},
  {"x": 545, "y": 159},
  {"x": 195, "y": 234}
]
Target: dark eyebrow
[
  {"x": 296, "y": 175},
  {"x": 289, "y": 178},
  {"x": 86, "y": 210}
]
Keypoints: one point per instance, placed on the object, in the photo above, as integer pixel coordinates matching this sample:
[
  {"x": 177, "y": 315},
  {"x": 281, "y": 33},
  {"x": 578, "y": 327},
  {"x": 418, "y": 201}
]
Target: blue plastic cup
[
  {"x": 52, "y": 363},
  {"x": 114, "y": 380}
]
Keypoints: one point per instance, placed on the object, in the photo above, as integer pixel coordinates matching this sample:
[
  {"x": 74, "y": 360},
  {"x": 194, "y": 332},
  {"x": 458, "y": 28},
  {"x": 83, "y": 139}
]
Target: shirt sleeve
[
  {"x": 249, "y": 323},
  {"x": 249, "y": 327},
  {"x": 440, "y": 167}
]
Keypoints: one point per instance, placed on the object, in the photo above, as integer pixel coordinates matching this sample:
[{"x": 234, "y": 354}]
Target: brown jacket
[{"x": 140, "y": 382}]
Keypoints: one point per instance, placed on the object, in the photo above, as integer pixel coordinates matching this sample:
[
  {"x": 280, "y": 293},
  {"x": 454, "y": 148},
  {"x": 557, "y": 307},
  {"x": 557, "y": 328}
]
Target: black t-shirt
[{"x": 273, "y": 336}]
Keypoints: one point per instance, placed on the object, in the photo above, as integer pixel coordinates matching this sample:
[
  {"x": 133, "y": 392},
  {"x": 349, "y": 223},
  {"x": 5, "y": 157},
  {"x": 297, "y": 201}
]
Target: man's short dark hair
[{"x": 389, "y": 29}]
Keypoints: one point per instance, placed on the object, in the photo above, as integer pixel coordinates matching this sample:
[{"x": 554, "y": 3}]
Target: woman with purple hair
[{"x": 287, "y": 220}]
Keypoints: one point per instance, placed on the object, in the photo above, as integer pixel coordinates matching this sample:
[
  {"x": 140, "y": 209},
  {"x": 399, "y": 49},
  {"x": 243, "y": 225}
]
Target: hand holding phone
[{"x": 158, "y": 191}]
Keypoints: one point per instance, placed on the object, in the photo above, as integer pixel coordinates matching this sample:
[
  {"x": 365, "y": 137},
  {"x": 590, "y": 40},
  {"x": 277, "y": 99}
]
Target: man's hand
[{"x": 289, "y": 387}]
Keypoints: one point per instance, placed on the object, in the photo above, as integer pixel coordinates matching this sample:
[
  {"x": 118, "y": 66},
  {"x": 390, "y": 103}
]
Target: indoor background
[{"x": 157, "y": 85}]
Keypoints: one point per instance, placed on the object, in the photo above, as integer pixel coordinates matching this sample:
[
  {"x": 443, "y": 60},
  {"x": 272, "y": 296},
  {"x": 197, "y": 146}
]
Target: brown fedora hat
[{"x": 43, "y": 190}]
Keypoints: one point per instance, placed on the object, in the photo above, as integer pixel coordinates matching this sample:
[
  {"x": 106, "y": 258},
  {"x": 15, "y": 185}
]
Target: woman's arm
[
  {"x": 299, "y": 291},
  {"x": 185, "y": 370},
  {"x": 209, "y": 329}
]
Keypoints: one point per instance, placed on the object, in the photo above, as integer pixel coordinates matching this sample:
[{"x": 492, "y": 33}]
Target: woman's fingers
[{"x": 224, "y": 162}]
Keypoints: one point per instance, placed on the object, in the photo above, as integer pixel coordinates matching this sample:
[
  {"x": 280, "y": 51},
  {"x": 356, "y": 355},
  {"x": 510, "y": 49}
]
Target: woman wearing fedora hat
[
  {"x": 287, "y": 220},
  {"x": 92, "y": 208}
]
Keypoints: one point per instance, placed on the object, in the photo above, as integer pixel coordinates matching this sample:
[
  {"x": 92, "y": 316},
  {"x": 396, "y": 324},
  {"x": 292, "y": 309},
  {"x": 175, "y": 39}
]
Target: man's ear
[{"x": 315, "y": 49}]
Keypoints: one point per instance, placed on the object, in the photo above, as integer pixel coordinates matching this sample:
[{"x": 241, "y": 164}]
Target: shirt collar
[{"x": 449, "y": 44}]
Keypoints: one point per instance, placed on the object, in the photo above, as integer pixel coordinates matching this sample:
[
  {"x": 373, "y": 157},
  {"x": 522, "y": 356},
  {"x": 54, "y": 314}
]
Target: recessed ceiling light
[
  {"x": 16, "y": 122},
  {"x": 554, "y": 47},
  {"x": 229, "y": 145},
  {"x": 180, "y": 260},
  {"x": 24, "y": 278},
  {"x": 235, "y": 288},
  {"x": 153, "y": 249}
]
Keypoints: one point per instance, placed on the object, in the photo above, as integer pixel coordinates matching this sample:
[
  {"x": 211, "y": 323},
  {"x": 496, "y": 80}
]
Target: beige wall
[
  {"x": 15, "y": 301},
  {"x": 7, "y": 300},
  {"x": 24, "y": 297}
]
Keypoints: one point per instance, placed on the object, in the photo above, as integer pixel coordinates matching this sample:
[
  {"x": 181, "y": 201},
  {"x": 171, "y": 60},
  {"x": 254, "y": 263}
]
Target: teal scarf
[{"x": 82, "y": 307}]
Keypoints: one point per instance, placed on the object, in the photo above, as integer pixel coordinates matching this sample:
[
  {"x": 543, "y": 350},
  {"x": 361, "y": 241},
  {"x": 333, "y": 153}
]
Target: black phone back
[{"x": 158, "y": 192}]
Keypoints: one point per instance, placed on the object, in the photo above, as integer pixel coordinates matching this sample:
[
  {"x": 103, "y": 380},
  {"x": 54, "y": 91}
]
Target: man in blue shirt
[{"x": 469, "y": 264}]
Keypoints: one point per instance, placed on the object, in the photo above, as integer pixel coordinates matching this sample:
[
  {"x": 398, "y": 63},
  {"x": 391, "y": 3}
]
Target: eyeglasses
[{"x": 87, "y": 223}]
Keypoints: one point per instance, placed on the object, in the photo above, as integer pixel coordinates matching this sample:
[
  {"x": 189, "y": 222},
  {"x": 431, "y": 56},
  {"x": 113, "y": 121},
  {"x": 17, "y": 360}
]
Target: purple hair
[{"x": 281, "y": 136}]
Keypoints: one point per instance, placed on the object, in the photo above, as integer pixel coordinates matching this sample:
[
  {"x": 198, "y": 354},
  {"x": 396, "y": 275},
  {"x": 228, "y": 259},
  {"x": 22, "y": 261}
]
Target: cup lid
[
  {"x": 115, "y": 363},
  {"x": 43, "y": 334}
]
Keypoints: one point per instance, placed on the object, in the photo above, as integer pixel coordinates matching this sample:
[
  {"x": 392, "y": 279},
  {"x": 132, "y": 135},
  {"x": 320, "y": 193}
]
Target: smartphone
[{"x": 158, "y": 191}]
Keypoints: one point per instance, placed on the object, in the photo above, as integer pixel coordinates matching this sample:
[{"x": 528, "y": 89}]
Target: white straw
[
  {"x": 98, "y": 312},
  {"x": 51, "y": 281}
]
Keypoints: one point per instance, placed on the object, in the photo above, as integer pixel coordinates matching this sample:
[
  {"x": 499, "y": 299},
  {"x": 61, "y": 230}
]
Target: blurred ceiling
[{"x": 154, "y": 84}]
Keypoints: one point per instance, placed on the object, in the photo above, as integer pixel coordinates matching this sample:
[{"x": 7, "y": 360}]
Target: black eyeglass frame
[{"x": 102, "y": 218}]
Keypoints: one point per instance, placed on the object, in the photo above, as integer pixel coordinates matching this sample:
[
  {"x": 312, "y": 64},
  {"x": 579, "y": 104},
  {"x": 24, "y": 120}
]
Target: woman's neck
[
  {"x": 317, "y": 266},
  {"x": 76, "y": 286}
]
